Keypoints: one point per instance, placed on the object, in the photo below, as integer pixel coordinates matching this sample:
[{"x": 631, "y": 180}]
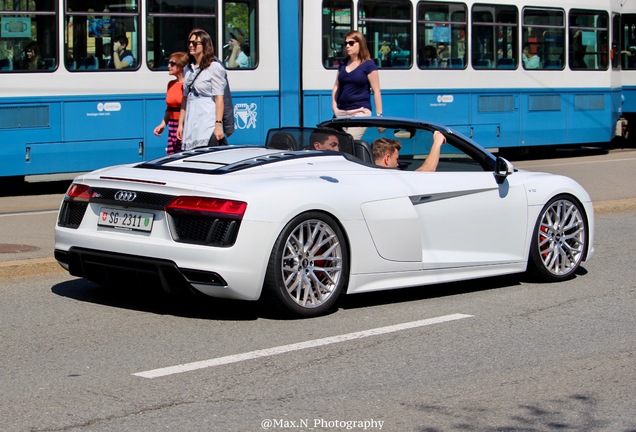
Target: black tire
[
  {"x": 559, "y": 240},
  {"x": 308, "y": 267}
]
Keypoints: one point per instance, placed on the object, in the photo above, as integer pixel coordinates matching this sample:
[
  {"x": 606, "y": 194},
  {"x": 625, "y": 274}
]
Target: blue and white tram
[
  {"x": 69, "y": 111},
  {"x": 482, "y": 82}
]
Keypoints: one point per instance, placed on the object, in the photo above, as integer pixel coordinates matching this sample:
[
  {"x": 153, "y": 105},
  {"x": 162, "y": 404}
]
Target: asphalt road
[{"x": 500, "y": 354}]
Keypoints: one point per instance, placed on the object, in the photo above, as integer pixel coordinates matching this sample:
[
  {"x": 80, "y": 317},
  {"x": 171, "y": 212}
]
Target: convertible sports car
[{"x": 301, "y": 226}]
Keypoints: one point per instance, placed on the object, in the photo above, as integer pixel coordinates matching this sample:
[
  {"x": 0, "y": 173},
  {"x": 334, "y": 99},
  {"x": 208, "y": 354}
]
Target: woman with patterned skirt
[{"x": 174, "y": 95}]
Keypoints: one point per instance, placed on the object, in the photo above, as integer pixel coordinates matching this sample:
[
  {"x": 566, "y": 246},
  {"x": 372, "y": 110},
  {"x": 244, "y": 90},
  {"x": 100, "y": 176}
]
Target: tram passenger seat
[
  {"x": 506, "y": 63},
  {"x": 88, "y": 63},
  {"x": 401, "y": 62},
  {"x": 552, "y": 64},
  {"x": 92, "y": 63},
  {"x": 49, "y": 62},
  {"x": 456, "y": 62},
  {"x": 481, "y": 63},
  {"x": 6, "y": 64}
]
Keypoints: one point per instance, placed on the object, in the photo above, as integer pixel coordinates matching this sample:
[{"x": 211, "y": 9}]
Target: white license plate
[{"x": 125, "y": 219}]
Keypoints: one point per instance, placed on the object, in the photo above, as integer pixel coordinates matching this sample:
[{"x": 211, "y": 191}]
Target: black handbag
[{"x": 214, "y": 142}]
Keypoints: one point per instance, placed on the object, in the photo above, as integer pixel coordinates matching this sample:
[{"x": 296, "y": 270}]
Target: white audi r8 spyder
[{"x": 300, "y": 226}]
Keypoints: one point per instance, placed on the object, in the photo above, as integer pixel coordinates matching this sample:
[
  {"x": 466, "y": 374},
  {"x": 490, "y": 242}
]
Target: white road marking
[
  {"x": 267, "y": 352},
  {"x": 29, "y": 213}
]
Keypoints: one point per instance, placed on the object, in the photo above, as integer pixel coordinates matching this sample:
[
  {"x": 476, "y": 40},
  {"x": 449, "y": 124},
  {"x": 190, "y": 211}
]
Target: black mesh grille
[
  {"x": 199, "y": 229},
  {"x": 72, "y": 213}
]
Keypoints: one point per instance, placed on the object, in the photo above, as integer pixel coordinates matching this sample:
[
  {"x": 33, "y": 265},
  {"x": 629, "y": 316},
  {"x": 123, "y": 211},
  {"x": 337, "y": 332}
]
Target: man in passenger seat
[
  {"x": 386, "y": 152},
  {"x": 321, "y": 140}
]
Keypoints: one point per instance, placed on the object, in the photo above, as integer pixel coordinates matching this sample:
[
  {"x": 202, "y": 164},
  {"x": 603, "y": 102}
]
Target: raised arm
[{"x": 430, "y": 164}]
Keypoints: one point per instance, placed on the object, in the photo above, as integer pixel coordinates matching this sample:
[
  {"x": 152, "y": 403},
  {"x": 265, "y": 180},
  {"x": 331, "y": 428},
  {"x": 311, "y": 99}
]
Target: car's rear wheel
[
  {"x": 559, "y": 240},
  {"x": 309, "y": 265}
]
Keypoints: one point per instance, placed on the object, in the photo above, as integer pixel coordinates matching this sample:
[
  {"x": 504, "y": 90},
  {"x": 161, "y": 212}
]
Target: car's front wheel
[
  {"x": 559, "y": 240},
  {"x": 309, "y": 265}
]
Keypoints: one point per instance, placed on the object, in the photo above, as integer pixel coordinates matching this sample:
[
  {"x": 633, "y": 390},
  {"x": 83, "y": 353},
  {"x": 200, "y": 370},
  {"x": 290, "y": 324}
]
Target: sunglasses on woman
[
  {"x": 350, "y": 42},
  {"x": 194, "y": 43}
]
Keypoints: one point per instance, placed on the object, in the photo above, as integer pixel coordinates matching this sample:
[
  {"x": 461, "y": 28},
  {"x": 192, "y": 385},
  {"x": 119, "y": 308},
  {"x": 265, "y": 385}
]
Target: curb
[
  {"x": 44, "y": 266},
  {"x": 29, "y": 267},
  {"x": 621, "y": 205}
]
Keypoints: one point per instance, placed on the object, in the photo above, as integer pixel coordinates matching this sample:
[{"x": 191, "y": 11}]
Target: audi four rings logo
[{"x": 125, "y": 196}]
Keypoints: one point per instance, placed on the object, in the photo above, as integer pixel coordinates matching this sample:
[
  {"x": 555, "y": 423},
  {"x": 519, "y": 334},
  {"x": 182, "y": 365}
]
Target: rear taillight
[
  {"x": 210, "y": 206},
  {"x": 74, "y": 206},
  {"x": 78, "y": 192}
]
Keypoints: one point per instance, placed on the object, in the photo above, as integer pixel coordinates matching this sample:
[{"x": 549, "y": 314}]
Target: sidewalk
[{"x": 26, "y": 226}]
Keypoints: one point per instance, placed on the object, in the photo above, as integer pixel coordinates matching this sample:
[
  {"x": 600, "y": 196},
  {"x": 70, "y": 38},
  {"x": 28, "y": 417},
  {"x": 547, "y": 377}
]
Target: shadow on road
[
  {"x": 186, "y": 305},
  {"x": 199, "y": 306}
]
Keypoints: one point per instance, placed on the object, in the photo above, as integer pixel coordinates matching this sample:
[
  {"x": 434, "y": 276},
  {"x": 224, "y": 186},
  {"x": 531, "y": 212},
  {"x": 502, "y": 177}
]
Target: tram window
[
  {"x": 589, "y": 40},
  {"x": 628, "y": 41},
  {"x": 543, "y": 38},
  {"x": 336, "y": 23},
  {"x": 387, "y": 23},
  {"x": 168, "y": 24},
  {"x": 441, "y": 35},
  {"x": 494, "y": 37},
  {"x": 239, "y": 45},
  {"x": 28, "y": 40},
  {"x": 92, "y": 30}
]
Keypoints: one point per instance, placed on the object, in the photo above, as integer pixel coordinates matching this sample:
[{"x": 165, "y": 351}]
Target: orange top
[{"x": 174, "y": 96}]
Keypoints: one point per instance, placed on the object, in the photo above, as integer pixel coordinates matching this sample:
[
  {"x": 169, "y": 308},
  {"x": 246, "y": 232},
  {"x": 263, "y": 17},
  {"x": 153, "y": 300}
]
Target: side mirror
[{"x": 503, "y": 168}]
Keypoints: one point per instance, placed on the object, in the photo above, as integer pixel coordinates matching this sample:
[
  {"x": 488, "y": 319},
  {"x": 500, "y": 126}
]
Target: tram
[{"x": 70, "y": 111}]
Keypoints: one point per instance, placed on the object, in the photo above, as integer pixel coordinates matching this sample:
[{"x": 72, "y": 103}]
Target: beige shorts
[{"x": 357, "y": 132}]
